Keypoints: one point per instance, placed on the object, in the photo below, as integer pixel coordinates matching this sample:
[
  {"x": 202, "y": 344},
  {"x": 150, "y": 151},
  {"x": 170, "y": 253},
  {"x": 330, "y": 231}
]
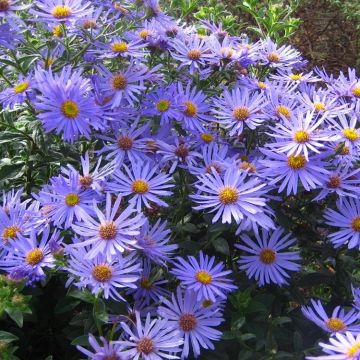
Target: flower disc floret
[
  {"x": 119, "y": 82},
  {"x": 273, "y": 57},
  {"x": 283, "y": 110},
  {"x": 163, "y": 105},
  {"x": 10, "y": 232},
  {"x": 267, "y": 256},
  {"x": 351, "y": 134},
  {"x": 70, "y": 109},
  {"x": 228, "y": 195},
  {"x": 194, "y": 54},
  {"x": 187, "y": 322},
  {"x": 296, "y": 77},
  {"x": 21, "y": 87},
  {"x": 119, "y": 47},
  {"x": 140, "y": 186},
  {"x": 108, "y": 230},
  {"x": 190, "y": 108},
  {"x": 334, "y": 182},
  {"x": 204, "y": 277},
  {"x": 145, "y": 346},
  {"x": 102, "y": 272},
  {"x": 335, "y": 324},
  {"x": 34, "y": 256},
  {"x": 319, "y": 106},
  {"x": 241, "y": 113},
  {"x": 301, "y": 136},
  {"x": 61, "y": 12},
  {"x": 208, "y": 138},
  {"x": 72, "y": 199},
  {"x": 296, "y": 162},
  {"x": 356, "y": 91},
  {"x": 125, "y": 142},
  {"x": 355, "y": 223},
  {"x": 4, "y": 5}
]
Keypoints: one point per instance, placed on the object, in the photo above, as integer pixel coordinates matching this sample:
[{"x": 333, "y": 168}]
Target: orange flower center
[
  {"x": 187, "y": 322},
  {"x": 145, "y": 346},
  {"x": 144, "y": 33},
  {"x": 108, "y": 230},
  {"x": 228, "y": 195},
  {"x": 34, "y": 256},
  {"x": 194, "y": 54},
  {"x": 102, "y": 272},
  {"x": 10, "y": 232},
  {"x": 208, "y": 138},
  {"x": 86, "y": 180},
  {"x": 283, "y": 110},
  {"x": 119, "y": 82},
  {"x": 335, "y": 324},
  {"x": 267, "y": 256},
  {"x": 4, "y": 5},
  {"x": 273, "y": 57},
  {"x": 89, "y": 24},
  {"x": 182, "y": 151},
  {"x": 125, "y": 142},
  {"x": 140, "y": 186},
  {"x": 334, "y": 182},
  {"x": 355, "y": 223},
  {"x": 190, "y": 108},
  {"x": 145, "y": 283},
  {"x": 241, "y": 113}
]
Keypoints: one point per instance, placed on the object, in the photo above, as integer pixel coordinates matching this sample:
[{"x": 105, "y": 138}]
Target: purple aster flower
[
  {"x": 8, "y": 37},
  {"x": 299, "y": 135},
  {"x": 32, "y": 256},
  {"x": 194, "y": 108},
  {"x": 150, "y": 286},
  {"x": 153, "y": 340},
  {"x": 289, "y": 170},
  {"x": 295, "y": 78},
  {"x": 66, "y": 200},
  {"x": 121, "y": 48},
  {"x": 8, "y": 8},
  {"x": 90, "y": 179},
  {"x": 153, "y": 242},
  {"x": 237, "y": 108},
  {"x": 162, "y": 102},
  {"x": 106, "y": 351},
  {"x": 225, "y": 50},
  {"x": 16, "y": 94},
  {"x": 284, "y": 56},
  {"x": 178, "y": 154},
  {"x": 126, "y": 84},
  {"x": 143, "y": 183},
  {"x": 64, "y": 104},
  {"x": 193, "y": 52},
  {"x": 101, "y": 274},
  {"x": 110, "y": 233},
  {"x": 356, "y": 296},
  {"x": 341, "y": 181},
  {"x": 340, "y": 321},
  {"x": 60, "y": 11},
  {"x": 194, "y": 322},
  {"x": 268, "y": 263},
  {"x": 232, "y": 195},
  {"x": 127, "y": 144},
  {"x": 206, "y": 278},
  {"x": 347, "y": 218},
  {"x": 12, "y": 199},
  {"x": 340, "y": 347}
]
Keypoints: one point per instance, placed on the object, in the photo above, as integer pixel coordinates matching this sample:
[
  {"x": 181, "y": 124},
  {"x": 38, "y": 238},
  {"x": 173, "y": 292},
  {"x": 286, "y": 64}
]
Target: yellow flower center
[
  {"x": 356, "y": 91},
  {"x": 267, "y": 256},
  {"x": 125, "y": 142},
  {"x": 296, "y": 162},
  {"x": 119, "y": 82},
  {"x": 261, "y": 85},
  {"x": 301, "y": 136},
  {"x": 190, "y": 108},
  {"x": 355, "y": 223},
  {"x": 354, "y": 349},
  {"x": 335, "y": 324},
  {"x": 214, "y": 165},
  {"x": 245, "y": 165},
  {"x": 4, "y": 5},
  {"x": 351, "y": 134},
  {"x": 208, "y": 138},
  {"x": 145, "y": 283},
  {"x": 108, "y": 230},
  {"x": 140, "y": 186},
  {"x": 70, "y": 109},
  {"x": 119, "y": 47},
  {"x": 241, "y": 113},
  {"x": 187, "y": 322},
  {"x": 72, "y": 199},
  {"x": 203, "y": 277},
  {"x": 144, "y": 33},
  {"x": 57, "y": 31},
  {"x": 319, "y": 106},
  {"x": 273, "y": 57},
  {"x": 34, "y": 256},
  {"x": 21, "y": 87},
  {"x": 295, "y": 77},
  {"x": 10, "y": 232},
  {"x": 163, "y": 105},
  {"x": 334, "y": 182},
  {"x": 283, "y": 110},
  {"x": 61, "y": 12},
  {"x": 228, "y": 195},
  {"x": 207, "y": 303},
  {"x": 194, "y": 54},
  {"x": 102, "y": 272},
  {"x": 145, "y": 346}
]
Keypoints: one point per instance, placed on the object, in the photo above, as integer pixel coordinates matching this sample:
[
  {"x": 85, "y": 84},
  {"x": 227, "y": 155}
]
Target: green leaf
[
  {"x": 66, "y": 304},
  {"x": 7, "y": 337},
  {"x": 16, "y": 315},
  {"x": 81, "y": 340},
  {"x": 221, "y": 245}
]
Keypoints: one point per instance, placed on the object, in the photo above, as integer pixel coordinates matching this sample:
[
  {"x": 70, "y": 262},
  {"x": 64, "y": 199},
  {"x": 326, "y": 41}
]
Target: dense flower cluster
[{"x": 233, "y": 126}]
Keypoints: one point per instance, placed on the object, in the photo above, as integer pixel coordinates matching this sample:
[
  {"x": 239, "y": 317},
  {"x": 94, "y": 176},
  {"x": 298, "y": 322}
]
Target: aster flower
[
  {"x": 143, "y": 183},
  {"x": 64, "y": 104},
  {"x": 356, "y": 296},
  {"x": 127, "y": 144},
  {"x": 299, "y": 135},
  {"x": 126, "y": 84},
  {"x": 194, "y": 107},
  {"x": 232, "y": 195},
  {"x": 297, "y": 78},
  {"x": 121, "y": 48},
  {"x": 109, "y": 233},
  {"x": 340, "y": 347},
  {"x": 193, "y": 52},
  {"x": 106, "y": 350},
  {"x": 60, "y": 11},
  {"x": 268, "y": 262},
  {"x": 66, "y": 200},
  {"x": 16, "y": 94},
  {"x": 347, "y": 218},
  {"x": 152, "y": 340},
  {"x": 153, "y": 242},
  {"x": 290, "y": 170},
  {"x": 8, "y": 8},
  {"x": 237, "y": 109},
  {"x": 207, "y": 279},
  {"x": 194, "y": 322},
  {"x": 8, "y": 37},
  {"x": 32, "y": 256},
  {"x": 150, "y": 286},
  {"x": 340, "y": 321},
  {"x": 225, "y": 50},
  {"x": 101, "y": 274}
]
